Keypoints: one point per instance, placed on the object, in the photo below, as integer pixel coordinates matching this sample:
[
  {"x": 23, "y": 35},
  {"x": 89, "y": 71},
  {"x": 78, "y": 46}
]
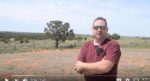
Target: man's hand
[{"x": 78, "y": 67}]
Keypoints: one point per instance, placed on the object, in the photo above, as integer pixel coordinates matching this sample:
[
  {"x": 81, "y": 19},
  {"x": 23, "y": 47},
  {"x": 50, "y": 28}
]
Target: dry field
[{"x": 61, "y": 62}]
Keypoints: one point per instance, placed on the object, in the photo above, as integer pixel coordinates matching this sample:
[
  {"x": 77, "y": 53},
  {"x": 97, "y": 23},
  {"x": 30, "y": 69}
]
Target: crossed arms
[{"x": 100, "y": 67}]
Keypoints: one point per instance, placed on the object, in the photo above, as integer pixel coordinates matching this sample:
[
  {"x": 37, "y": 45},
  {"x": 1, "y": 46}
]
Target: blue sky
[{"x": 125, "y": 17}]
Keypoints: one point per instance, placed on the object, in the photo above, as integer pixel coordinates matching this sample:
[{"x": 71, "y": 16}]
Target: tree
[
  {"x": 58, "y": 31},
  {"x": 70, "y": 35},
  {"x": 115, "y": 36}
]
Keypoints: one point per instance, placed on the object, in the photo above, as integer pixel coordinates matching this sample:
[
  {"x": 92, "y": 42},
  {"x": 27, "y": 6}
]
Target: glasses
[{"x": 101, "y": 27}]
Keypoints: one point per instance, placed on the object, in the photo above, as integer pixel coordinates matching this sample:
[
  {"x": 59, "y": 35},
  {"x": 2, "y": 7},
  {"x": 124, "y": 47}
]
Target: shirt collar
[{"x": 95, "y": 43}]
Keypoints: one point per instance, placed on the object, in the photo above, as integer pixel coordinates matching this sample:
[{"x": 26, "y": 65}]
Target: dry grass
[
  {"x": 135, "y": 62},
  {"x": 61, "y": 62}
]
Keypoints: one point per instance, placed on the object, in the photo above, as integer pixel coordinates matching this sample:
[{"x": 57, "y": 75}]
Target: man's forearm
[
  {"x": 93, "y": 68},
  {"x": 101, "y": 67}
]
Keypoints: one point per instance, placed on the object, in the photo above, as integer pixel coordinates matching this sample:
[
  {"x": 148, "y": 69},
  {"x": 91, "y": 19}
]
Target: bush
[
  {"x": 26, "y": 41},
  {"x": 6, "y": 40},
  {"x": 21, "y": 41},
  {"x": 78, "y": 38},
  {"x": 115, "y": 36},
  {"x": 85, "y": 38}
]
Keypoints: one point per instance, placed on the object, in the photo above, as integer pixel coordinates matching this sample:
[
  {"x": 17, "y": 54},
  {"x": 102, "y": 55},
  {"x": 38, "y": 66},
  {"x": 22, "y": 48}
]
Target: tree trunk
[{"x": 56, "y": 45}]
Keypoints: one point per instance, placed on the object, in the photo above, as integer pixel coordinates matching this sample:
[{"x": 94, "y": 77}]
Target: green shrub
[
  {"x": 6, "y": 40},
  {"x": 21, "y": 41},
  {"x": 26, "y": 41},
  {"x": 115, "y": 36}
]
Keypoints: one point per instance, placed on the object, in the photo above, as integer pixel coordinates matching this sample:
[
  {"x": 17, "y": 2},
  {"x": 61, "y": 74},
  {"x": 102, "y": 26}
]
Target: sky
[{"x": 125, "y": 17}]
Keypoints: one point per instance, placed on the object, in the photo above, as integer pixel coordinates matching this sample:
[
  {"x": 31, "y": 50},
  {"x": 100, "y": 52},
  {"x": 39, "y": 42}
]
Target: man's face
[{"x": 99, "y": 29}]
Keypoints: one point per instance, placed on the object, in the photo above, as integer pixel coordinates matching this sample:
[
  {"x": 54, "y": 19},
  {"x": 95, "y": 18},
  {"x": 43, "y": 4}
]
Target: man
[{"x": 98, "y": 59}]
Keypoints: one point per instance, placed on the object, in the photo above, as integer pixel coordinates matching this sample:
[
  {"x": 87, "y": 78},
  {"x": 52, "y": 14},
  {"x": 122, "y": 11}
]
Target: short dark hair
[{"x": 100, "y": 18}]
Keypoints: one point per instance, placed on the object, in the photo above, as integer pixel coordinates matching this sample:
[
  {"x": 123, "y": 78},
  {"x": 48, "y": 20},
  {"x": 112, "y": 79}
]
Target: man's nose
[{"x": 99, "y": 29}]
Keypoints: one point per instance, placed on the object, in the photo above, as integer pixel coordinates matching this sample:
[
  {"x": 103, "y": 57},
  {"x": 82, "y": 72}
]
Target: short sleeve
[
  {"x": 113, "y": 52},
  {"x": 82, "y": 53}
]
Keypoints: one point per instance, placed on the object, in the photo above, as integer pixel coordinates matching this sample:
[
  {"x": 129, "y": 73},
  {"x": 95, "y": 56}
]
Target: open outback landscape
[
  {"x": 61, "y": 62},
  {"x": 39, "y": 57},
  {"x": 42, "y": 38}
]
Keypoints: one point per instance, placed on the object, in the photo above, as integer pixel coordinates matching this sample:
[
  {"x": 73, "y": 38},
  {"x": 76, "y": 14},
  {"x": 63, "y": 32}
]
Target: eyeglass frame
[{"x": 101, "y": 27}]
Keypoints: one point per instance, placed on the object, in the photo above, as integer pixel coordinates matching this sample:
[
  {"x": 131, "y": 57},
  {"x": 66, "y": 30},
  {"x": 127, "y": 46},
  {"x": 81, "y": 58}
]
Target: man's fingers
[{"x": 75, "y": 68}]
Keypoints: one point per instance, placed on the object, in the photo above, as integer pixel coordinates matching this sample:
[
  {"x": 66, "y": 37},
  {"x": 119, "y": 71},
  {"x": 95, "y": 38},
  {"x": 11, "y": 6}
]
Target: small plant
[
  {"x": 6, "y": 40},
  {"x": 21, "y": 41},
  {"x": 26, "y": 41},
  {"x": 115, "y": 36},
  {"x": 85, "y": 38}
]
